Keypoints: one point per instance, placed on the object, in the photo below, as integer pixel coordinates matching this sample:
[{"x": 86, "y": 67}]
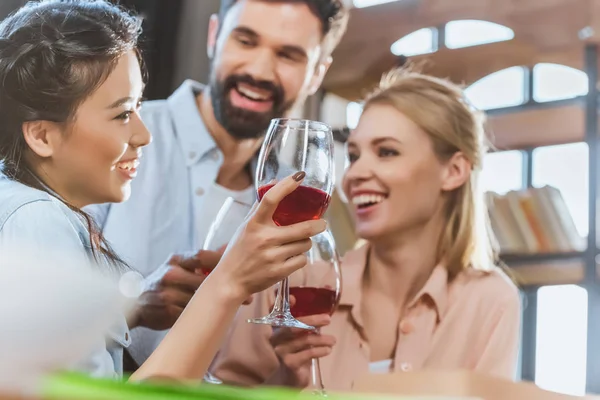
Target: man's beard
[{"x": 239, "y": 122}]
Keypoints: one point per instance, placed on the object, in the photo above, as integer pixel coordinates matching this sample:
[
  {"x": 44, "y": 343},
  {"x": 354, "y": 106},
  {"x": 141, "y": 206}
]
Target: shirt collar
[
  {"x": 353, "y": 269},
  {"x": 191, "y": 132},
  {"x": 436, "y": 288}
]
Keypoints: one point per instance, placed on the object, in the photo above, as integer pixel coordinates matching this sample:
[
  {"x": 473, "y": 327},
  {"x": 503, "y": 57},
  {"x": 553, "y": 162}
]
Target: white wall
[{"x": 333, "y": 110}]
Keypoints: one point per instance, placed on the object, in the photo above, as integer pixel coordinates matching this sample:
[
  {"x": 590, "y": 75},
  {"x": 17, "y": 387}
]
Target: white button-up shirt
[{"x": 174, "y": 197}]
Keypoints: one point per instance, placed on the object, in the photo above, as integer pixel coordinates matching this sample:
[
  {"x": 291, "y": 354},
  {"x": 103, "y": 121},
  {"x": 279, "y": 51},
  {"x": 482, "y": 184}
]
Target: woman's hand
[
  {"x": 262, "y": 253},
  {"x": 295, "y": 349}
]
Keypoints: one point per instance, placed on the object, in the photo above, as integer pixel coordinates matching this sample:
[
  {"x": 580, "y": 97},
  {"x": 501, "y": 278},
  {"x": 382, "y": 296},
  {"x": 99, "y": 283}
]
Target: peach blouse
[{"x": 472, "y": 322}]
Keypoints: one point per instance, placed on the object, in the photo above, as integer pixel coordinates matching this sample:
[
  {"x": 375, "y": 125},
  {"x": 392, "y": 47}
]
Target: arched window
[
  {"x": 503, "y": 88},
  {"x": 423, "y": 41},
  {"x": 472, "y": 32},
  {"x": 557, "y": 82}
]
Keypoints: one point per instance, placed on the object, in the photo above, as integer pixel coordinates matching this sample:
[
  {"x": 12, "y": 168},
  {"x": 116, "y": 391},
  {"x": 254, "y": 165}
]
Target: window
[
  {"x": 466, "y": 33},
  {"x": 423, "y": 41},
  {"x": 556, "y": 82},
  {"x": 369, "y": 3},
  {"x": 565, "y": 167},
  {"x": 353, "y": 112},
  {"x": 502, "y": 171},
  {"x": 561, "y": 339},
  {"x": 503, "y": 88}
]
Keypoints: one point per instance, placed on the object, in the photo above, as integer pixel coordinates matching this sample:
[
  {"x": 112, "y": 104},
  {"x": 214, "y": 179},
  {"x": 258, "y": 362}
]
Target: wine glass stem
[
  {"x": 315, "y": 372},
  {"x": 317, "y": 380},
  {"x": 282, "y": 300}
]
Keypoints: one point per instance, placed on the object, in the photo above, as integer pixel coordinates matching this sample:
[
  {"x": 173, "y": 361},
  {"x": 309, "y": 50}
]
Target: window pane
[
  {"x": 504, "y": 88},
  {"x": 353, "y": 112},
  {"x": 413, "y": 44},
  {"x": 565, "y": 167},
  {"x": 561, "y": 339},
  {"x": 556, "y": 82},
  {"x": 502, "y": 171},
  {"x": 467, "y": 33}
]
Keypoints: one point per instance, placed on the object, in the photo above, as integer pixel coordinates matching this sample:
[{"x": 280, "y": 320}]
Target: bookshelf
[{"x": 534, "y": 225}]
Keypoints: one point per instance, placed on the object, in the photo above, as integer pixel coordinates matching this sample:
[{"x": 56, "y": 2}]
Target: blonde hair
[{"x": 440, "y": 108}]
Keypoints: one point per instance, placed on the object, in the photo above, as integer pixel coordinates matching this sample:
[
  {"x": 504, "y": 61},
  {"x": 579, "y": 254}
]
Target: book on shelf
[{"x": 533, "y": 221}]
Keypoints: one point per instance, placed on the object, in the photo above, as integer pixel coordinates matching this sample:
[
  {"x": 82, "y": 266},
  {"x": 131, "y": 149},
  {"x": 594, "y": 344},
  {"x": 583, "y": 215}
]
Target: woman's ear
[
  {"x": 456, "y": 172},
  {"x": 42, "y": 137}
]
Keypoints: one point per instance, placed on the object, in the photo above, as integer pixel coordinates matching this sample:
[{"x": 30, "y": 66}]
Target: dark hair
[
  {"x": 332, "y": 14},
  {"x": 53, "y": 55}
]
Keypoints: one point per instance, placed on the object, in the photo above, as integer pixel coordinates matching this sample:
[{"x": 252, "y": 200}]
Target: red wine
[
  {"x": 303, "y": 204},
  {"x": 313, "y": 301}
]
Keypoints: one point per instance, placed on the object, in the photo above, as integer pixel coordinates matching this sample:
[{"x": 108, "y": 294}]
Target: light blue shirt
[
  {"x": 37, "y": 221},
  {"x": 174, "y": 197}
]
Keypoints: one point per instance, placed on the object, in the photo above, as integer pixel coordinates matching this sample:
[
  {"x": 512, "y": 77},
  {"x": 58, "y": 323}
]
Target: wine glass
[
  {"x": 293, "y": 145},
  {"x": 316, "y": 289},
  {"x": 231, "y": 215},
  {"x": 229, "y": 218}
]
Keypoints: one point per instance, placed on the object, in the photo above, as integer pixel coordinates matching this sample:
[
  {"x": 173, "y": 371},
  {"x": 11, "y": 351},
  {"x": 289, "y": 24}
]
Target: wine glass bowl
[
  {"x": 294, "y": 145},
  {"x": 230, "y": 216},
  {"x": 290, "y": 146},
  {"x": 317, "y": 286}
]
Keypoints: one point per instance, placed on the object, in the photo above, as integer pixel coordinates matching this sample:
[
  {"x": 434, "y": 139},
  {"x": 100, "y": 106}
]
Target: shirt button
[
  {"x": 405, "y": 367},
  {"x": 406, "y": 327},
  {"x": 126, "y": 336},
  {"x": 199, "y": 191},
  {"x": 192, "y": 154}
]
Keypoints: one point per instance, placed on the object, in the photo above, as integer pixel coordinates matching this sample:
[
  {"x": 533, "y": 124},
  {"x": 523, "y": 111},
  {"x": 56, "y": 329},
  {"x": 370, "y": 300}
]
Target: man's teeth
[
  {"x": 251, "y": 94},
  {"x": 364, "y": 199},
  {"x": 128, "y": 165}
]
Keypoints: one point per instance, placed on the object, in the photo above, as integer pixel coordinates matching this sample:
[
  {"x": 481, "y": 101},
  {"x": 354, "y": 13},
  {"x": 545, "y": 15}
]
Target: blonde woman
[{"x": 423, "y": 292}]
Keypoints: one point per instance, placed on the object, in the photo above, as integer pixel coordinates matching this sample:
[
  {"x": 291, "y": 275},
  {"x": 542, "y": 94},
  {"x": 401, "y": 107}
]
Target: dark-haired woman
[{"x": 71, "y": 136}]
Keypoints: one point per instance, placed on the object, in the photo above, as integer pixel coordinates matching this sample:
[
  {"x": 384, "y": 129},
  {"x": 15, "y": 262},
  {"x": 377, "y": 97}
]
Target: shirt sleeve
[
  {"x": 40, "y": 232},
  {"x": 499, "y": 355}
]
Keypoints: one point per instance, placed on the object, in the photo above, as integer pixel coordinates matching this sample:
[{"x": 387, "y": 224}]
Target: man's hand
[{"x": 169, "y": 289}]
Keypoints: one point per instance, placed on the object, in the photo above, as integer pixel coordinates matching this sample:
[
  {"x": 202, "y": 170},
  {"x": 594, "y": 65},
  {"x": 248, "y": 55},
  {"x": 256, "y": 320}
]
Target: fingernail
[{"x": 298, "y": 176}]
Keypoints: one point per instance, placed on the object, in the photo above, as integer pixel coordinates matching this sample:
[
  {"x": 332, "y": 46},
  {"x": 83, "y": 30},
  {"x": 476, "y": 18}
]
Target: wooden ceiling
[{"x": 545, "y": 31}]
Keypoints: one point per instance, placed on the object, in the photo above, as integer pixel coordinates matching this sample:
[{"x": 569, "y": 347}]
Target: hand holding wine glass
[
  {"x": 316, "y": 290},
  {"x": 261, "y": 252}
]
